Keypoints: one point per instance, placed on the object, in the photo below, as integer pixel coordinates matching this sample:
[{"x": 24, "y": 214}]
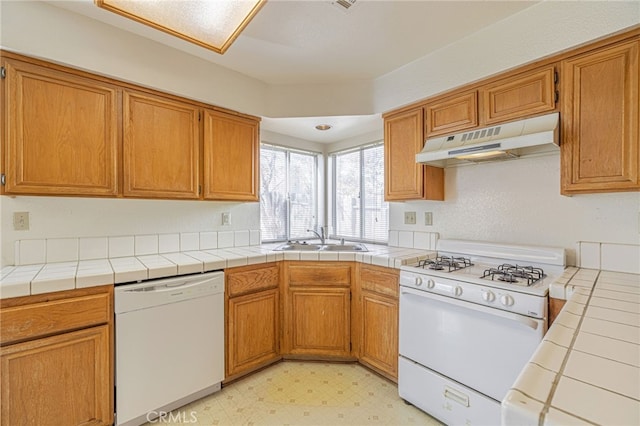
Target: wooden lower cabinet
[
  {"x": 378, "y": 322},
  {"x": 555, "y": 306},
  {"x": 253, "y": 318},
  {"x": 65, "y": 374},
  {"x": 317, "y": 309}
]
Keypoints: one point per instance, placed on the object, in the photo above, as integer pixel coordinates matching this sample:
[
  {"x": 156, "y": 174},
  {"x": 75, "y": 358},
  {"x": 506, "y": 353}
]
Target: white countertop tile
[
  {"x": 560, "y": 335},
  {"x": 628, "y": 333},
  {"x": 186, "y": 264},
  {"x": 604, "y": 373},
  {"x": 94, "y": 272},
  {"x": 211, "y": 262},
  {"x": 550, "y": 356},
  {"x": 535, "y": 381},
  {"x": 128, "y": 269},
  {"x": 629, "y": 318},
  {"x": 158, "y": 266},
  {"x": 556, "y": 417},
  {"x": 519, "y": 409},
  {"x": 617, "y": 350},
  {"x": 598, "y": 405}
]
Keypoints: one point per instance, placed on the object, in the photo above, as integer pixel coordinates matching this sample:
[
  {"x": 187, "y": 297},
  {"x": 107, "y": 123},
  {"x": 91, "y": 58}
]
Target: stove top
[{"x": 504, "y": 267}]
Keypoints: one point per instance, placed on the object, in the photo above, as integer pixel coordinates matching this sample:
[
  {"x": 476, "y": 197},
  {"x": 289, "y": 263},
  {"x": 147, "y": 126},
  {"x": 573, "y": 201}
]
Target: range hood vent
[{"x": 506, "y": 141}]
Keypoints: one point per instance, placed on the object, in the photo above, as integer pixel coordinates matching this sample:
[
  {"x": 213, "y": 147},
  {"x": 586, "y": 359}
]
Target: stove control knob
[
  {"x": 457, "y": 291},
  {"x": 418, "y": 281},
  {"x": 488, "y": 296},
  {"x": 431, "y": 284},
  {"x": 506, "y": 300}
]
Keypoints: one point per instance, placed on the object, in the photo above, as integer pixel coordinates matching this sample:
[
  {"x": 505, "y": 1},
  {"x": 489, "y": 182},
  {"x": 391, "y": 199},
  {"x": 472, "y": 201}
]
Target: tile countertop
[
  {"x": 587, "y": 368},
  {"x": 27, "y": 280}
]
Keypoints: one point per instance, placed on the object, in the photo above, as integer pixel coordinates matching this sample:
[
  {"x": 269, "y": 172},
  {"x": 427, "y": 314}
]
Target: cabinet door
[
  {"x": 253, "y": 331},
  {"x": 63, "y": 379},
  {"x": 452, "y": 114},
  {"x": 404, "y": 179},
  {"x": 161, "y": 140},
  {"x": 600, "y": 113},
  {"x": 62, "y": 133},
  {"x": 319, "y": 322},
  {"x": 519, "y": 96},
  {"x": 231, "y": 157},
  {"x": 379, "y": 339}
]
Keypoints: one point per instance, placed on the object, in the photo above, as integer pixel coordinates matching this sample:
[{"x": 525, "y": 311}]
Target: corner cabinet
[
  {"x": 404, "y": 179},
  {"x": 253, "y": 318},
  {"x": 600, "y": 114},
  {"x": 378, "y": 308},
  {"x": 56, "y": 358},
  {"x": 61, "y": 132},
  {"x": 161, "y": 147},
  {"x": 231, "y": 156},
  {"x": 317, "y": 309}
]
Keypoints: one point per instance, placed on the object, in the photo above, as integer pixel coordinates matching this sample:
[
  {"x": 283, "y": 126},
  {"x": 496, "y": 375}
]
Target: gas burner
[
  {"x": 511, "y": 273},
  {"x": 441, "y": 263}
]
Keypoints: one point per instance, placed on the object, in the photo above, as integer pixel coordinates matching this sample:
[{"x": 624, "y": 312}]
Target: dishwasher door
[{"x": 169, "y": 344}]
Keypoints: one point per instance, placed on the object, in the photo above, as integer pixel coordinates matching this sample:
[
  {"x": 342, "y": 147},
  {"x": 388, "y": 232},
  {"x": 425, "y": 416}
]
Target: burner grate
[
  {"x": 448, "y": 263},
  {"x": 514, "y": 273}
]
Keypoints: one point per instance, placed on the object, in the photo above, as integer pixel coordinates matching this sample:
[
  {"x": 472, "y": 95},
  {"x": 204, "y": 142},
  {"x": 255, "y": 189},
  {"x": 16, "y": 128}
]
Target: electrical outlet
[
  {"x": 428, "y": 218},
  {"x": 226, "y": 218},
  {"x": 21, "y": 221},
  {"x": 410, "y": 218}
]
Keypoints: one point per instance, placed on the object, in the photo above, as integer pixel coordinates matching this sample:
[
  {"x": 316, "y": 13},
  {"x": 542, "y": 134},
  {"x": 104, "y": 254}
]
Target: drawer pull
[{"x": 456, "y": 396}]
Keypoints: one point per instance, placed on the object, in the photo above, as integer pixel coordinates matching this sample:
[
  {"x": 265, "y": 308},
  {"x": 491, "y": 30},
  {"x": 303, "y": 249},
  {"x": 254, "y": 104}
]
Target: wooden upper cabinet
[
  {"x": 231, "y": 157},
  {"x": 452, "y": 114},
  {"x": 600, "y": 113},
  {"x": 519, "y": 96},
  {"x": 161, "y": 147},
  {"x": 61, "y": 130},
  {"x": 404, "y": 179}
]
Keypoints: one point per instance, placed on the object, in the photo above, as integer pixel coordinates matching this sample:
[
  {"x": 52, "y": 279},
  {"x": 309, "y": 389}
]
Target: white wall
[{"x": 519, "y": 201}]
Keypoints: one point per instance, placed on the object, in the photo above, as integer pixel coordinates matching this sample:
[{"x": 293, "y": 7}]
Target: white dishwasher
[{"x": 169, "y": 344}]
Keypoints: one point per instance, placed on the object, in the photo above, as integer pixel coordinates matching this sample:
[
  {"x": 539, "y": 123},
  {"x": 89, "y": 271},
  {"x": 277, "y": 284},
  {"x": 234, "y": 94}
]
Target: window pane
[
  {"x": 376, "y": 210},
  {"x": 273, "y": 194},
  {"x": 347, "y": 201},
  {"x": 302, "y": 194}
]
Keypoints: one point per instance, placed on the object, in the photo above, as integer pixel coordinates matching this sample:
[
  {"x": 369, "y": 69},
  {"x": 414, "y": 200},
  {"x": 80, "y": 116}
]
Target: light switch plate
[
  {"x": 428, "y": 218},
  {"x": 21, "y": 221},
  {"x": 226, "y": 218},
  {"x": 409, "y": 218}
]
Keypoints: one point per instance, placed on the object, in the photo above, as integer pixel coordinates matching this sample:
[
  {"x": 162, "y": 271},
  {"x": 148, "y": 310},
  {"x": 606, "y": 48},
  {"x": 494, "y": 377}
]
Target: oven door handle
[{"x": 529, "y": 322}]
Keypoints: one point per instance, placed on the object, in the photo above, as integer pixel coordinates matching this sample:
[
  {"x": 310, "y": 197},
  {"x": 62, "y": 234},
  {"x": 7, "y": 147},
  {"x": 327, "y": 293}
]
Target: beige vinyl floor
[{"x": 303, "y": 393}]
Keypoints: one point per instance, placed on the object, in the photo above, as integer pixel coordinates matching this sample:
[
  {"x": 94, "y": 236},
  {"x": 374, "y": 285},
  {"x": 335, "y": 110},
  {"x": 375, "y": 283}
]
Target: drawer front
[
  {"x": 379, "y": 280},
  {"x": 53, "y": 317},
  {"x": 320, "y": 274},
  {"x": 252, "y": 280}
]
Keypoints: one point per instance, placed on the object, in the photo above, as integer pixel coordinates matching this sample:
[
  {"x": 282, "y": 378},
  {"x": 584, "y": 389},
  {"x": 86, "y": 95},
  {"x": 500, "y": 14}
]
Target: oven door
[{"x": 480, "y": 347}]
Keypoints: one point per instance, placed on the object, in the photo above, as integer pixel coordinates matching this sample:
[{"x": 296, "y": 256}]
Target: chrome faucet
[{"x": 319, "y": 235}]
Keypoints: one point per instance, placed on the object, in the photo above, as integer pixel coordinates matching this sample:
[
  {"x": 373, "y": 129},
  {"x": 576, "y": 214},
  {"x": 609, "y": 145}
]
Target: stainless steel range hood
[{"x": 509, "y": 140}]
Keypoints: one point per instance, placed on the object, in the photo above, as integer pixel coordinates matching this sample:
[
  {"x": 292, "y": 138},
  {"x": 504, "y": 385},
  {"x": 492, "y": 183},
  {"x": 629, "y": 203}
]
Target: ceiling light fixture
[
  {"x": 323, "y": 127},
  {"x": 213, "y": 25}
]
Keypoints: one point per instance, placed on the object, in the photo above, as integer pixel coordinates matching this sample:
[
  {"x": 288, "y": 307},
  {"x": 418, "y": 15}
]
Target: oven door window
[{"x": 480, "y": 347}]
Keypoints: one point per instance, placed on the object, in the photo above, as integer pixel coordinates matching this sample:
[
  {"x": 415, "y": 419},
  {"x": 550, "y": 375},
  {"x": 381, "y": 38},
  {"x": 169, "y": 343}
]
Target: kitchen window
[
  {"x": 288, "y": 193},
  {"x": 358, "y": 209}
]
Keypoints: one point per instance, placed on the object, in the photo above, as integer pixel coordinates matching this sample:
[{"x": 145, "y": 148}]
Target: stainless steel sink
[{"x": 291, "y": 246}]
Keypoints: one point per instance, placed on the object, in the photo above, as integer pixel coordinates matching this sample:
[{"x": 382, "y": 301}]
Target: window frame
[
  {"x": 362, "y": 200},
  {"x": 316, "y": 197}
]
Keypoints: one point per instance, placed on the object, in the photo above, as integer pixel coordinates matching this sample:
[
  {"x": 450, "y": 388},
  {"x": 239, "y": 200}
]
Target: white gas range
[{"x": 470, "y": 319}]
